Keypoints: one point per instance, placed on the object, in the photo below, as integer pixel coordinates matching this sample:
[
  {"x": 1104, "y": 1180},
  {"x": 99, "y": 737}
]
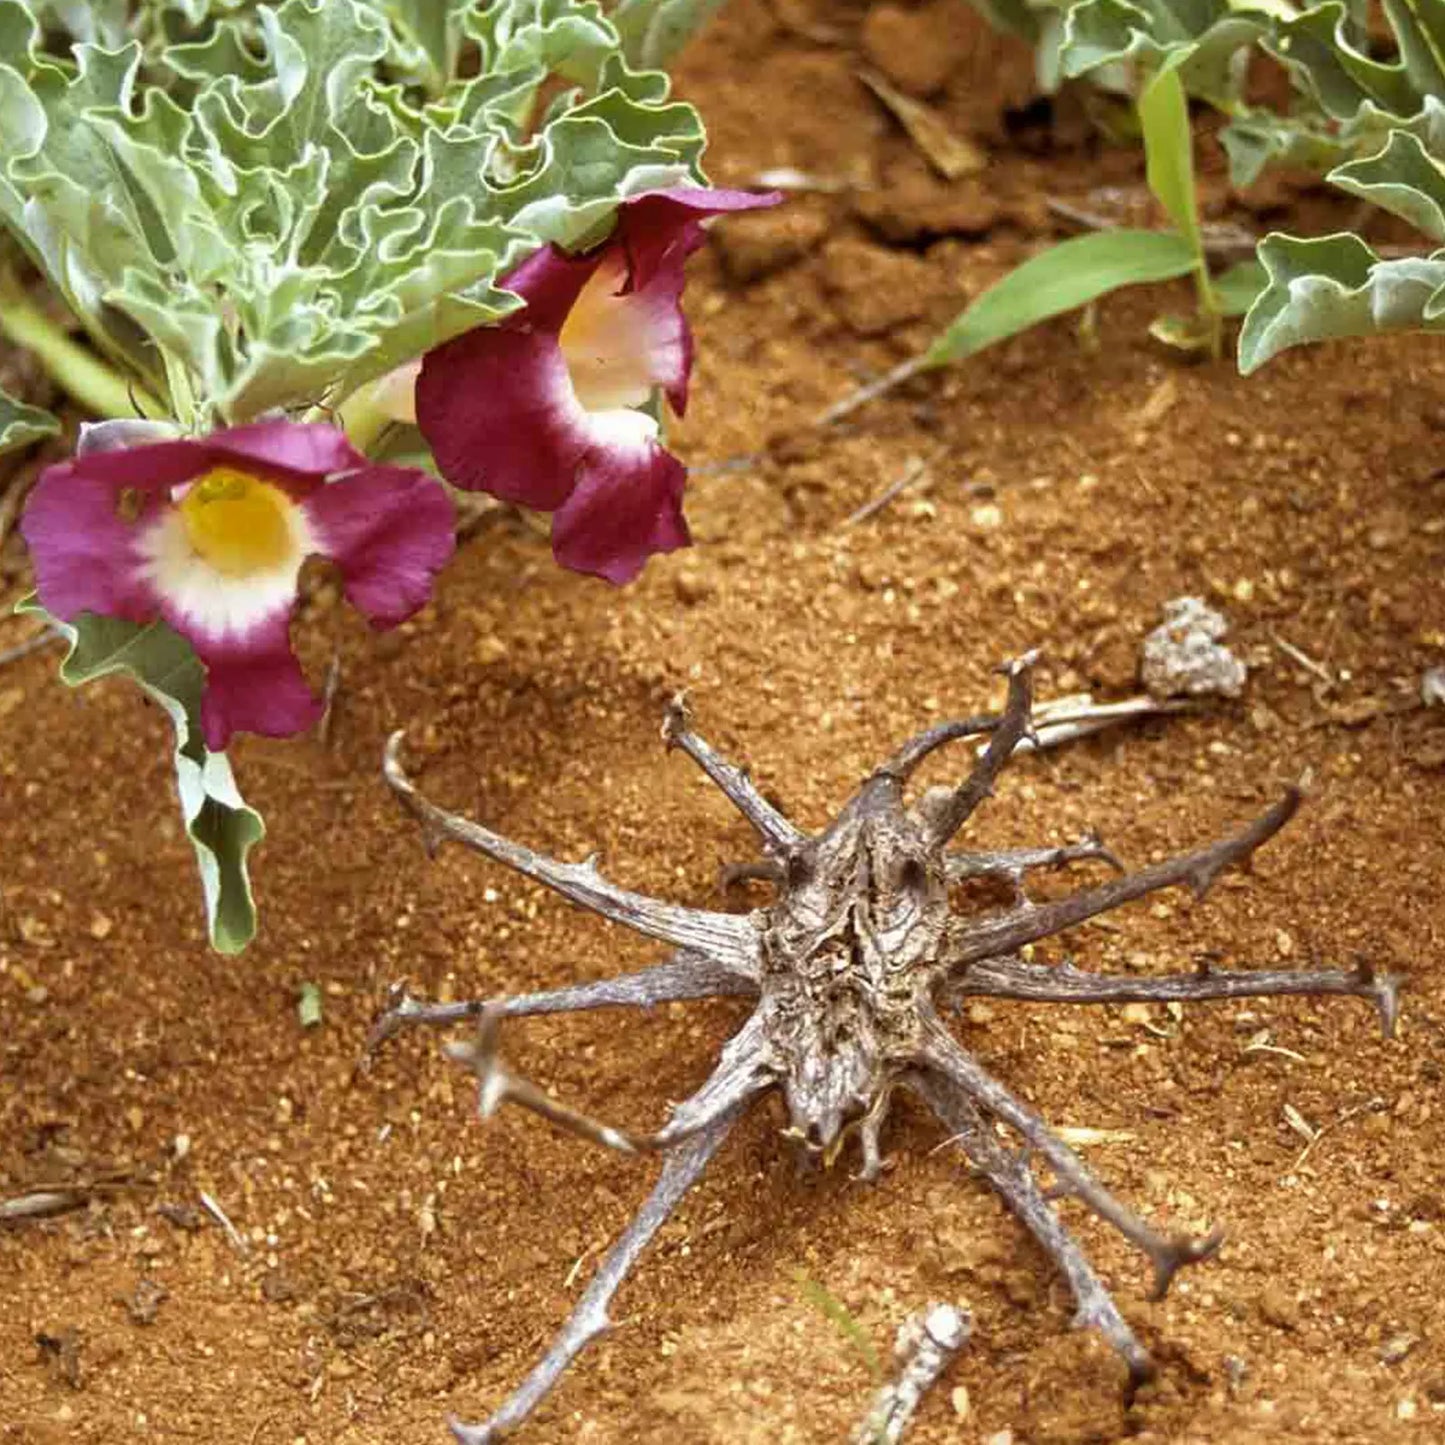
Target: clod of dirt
[
  {"x": 143, "y": 1303},
  {"x": 1279, "y": 1308},
  {"x": 873, "y": 290},
  {"x": 915, "y": 206},
  {"x": 762, "y": 243},
  {"x": 1184, "y": 656},
  {"x": 917, "y": 47}
]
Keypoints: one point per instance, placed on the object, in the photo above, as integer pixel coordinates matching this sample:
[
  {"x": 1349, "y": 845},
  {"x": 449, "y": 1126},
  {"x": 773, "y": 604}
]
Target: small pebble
[
  {"x": 692, "y": 587},
  {"x": 1397, "y": 1348},
  {"x": 1279, "y": 1308}
]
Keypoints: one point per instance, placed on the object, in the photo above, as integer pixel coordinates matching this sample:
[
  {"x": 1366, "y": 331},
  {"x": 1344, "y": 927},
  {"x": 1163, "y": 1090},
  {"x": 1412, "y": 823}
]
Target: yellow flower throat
[{"x": 237, "y": 523}]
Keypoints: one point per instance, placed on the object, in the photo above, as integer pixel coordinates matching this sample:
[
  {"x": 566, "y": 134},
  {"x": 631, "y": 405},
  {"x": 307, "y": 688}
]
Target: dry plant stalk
[{"x": 850, "y": 967}]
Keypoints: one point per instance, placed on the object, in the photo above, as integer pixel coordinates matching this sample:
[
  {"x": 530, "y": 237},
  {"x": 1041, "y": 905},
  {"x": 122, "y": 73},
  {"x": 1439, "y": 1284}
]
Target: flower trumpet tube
[
  {"x": 209, "y": 534},
  {"x": 544, "y": 408}
]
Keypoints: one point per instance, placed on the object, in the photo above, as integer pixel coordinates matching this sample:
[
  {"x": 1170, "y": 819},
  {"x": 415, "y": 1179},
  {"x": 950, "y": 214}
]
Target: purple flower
[
  {"x": 209, "y": 534},
  {"x": 541, "y": 409}
]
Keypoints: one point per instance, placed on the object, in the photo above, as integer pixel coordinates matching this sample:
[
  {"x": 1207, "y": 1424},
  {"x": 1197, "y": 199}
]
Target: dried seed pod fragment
[{"x": 851, "y": 967}]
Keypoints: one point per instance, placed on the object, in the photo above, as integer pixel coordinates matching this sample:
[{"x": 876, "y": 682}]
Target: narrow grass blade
[{"x": 1062, "y": 279}]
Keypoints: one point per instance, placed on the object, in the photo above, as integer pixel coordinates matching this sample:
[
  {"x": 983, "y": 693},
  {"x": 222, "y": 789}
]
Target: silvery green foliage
[
  {"x": 20, "y": 424},
  {"x": 1346, "y": 104},
  {"x": 254, "y": 207},
  {"x": 653, "y": 31},
  {"x": 1336, "y": 286}
]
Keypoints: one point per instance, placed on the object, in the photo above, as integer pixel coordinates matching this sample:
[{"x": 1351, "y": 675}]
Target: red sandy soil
[{"x": 402, "y": 1260}]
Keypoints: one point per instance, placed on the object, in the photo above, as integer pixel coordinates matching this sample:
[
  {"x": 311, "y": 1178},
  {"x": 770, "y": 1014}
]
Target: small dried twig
[
  {"x": 911, "y": 473},
  {"x": 726, "y": 466},
  {"x": 949, "y": 153},
  {"x": 1304, "y": 659},
  {"x": 53, "y": 1199},
  {"x": 1067, "y": 719},
  {"x": 926, "y": 1343},
  {"x": 238, "y": 1240},
  {"x": 851, "y": 968},
  {"x": 904, "y": 371},
  {"x": 1260, "y": 1044},
  {"x": 1223, "y": 240}
]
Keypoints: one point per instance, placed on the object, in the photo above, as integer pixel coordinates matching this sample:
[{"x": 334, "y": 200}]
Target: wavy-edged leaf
[
  {"x": 1403, "y": 178},
  {"x": 1336, "y": 286},
  {"x": 21, "y": 424},
  {"x": 1203, "y": 38},
  {"x": 221, "y": 827},
  {"x": 1062, "y": 279},
  {"x": 1321, "y": 44},
  {"x": 1255, "y": 139},
  {"x": 653, "y": 31}
]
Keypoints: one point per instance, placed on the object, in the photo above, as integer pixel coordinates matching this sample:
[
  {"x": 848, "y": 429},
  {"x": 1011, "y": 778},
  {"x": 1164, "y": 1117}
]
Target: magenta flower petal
[
  {"x": 549, "y": 281},
  {"x": 627, "y": 505},
  {"x": 497, "y": 407},
  {"x": 390, "y": 531},
  {"x": 253, "y": 683},
  {"x": 658, "y": 232},
  {"x": 663, "y": 228},
  {"x": 83, "y": 550},
  {"x": 278, "y": 445}
]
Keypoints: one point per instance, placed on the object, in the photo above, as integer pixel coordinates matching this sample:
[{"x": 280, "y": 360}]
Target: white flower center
[{"x": 606, "y": 342}]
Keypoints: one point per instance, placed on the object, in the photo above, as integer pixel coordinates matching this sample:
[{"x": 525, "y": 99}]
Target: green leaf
[
  {"x": 1237, "y": 289},
  {"x": 653, "y": 31},
  {"x": 1403, "y": 178},
  {"x": 1336, "y": 286},
  {"x": 20, "y": 424},
  {"x": 1062, "y": 279},
  {"x": 1257, "y": 139},
  {"x": 1202, "y": 37},
  {"x": 222, "y": 829},
  {"x": 1169, "y": 152},
  {"x": 1319, "y": 45}
]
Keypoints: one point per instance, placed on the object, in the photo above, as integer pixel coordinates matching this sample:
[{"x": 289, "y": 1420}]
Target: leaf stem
[
  {"x": 1210, "y": 311},
  {"x": 94, "y": 383}
]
